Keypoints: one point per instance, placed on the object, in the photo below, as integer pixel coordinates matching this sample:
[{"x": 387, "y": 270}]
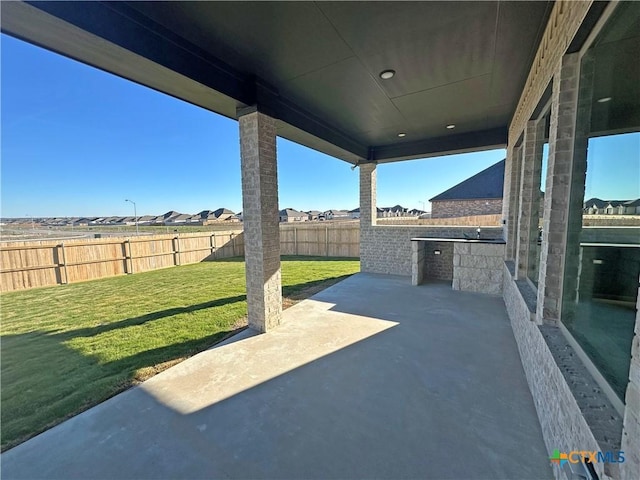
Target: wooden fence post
[
  {"x": 326, "y": 241},
  {"x": 128, "y": 255},
  {"x": 64, "y": 264},
  {"x": 176, "y": 250},
  {"x": 233, "y": 245},
  {"x": 295, "y": 240}
]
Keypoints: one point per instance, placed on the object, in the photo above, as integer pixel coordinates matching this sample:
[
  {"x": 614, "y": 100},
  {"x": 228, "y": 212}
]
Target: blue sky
[{"x": 77, "y": 141}]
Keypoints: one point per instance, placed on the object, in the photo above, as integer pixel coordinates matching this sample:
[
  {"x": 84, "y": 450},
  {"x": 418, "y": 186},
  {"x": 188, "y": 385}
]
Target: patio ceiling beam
[
  {"x": 464, "y": 142},
  {"x": 269, "y": 101}
]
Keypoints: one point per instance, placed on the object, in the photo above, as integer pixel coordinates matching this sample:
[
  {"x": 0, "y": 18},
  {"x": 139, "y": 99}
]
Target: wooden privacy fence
[
  {"x": 40, "y": 263},
  {"x": 321, "y": 239}
]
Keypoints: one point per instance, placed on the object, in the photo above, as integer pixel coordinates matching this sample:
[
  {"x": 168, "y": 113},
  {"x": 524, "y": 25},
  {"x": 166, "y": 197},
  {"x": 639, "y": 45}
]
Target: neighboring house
[
  {"x": 126, "y": 221},
  {"x": 291, "y": 215},
  {"x": 314, "y": 215},
  {"x": 395, "y": 211},
  {"x": 355, "y": 213},
  {"x": 109, "y": 220},
  {"x": 335, "y": 214},
  {"x": 632, "y": 207},
  {"x": 206, "y": 217},
  {"x": 414, "y": 212},
  {"x": 179, "y": 219},
  {"x": 480, "y": 194},
  {"x": 82, "y": 222},
  {"x": 596, "y": 206},
  {"x": 170, "y": 214},
  {"x": 224, "y": 215},
  {"x": 146, "y": 220}
]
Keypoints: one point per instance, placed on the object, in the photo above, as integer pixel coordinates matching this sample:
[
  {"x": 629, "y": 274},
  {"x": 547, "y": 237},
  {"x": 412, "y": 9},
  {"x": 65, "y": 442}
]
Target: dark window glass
[{"x": 603, "y": 249}]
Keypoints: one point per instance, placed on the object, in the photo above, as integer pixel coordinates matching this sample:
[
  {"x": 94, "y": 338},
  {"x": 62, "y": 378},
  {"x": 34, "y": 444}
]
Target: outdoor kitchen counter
[{"x": 473, "y": 265}]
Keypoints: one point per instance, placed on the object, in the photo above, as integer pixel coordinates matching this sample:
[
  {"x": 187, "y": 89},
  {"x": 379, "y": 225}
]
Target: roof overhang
[{"x": 314, "y": 66}]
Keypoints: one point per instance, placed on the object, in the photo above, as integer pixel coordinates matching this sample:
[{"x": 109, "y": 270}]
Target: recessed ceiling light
[
  {"x": 451, "y": 126},
  {"x": 387, "y": 74},
  {"x": 604, "y": 99},
  {"x": 402, "y": 135}
]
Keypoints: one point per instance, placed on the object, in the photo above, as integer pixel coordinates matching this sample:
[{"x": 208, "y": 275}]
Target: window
[{"x": 603, "y": 247}]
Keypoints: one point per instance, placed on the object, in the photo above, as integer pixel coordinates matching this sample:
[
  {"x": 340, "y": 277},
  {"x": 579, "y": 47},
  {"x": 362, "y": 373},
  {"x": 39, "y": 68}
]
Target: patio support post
[
  {"x": 368, "y": 211},
  {"x": 529, "y": 215},
  {"x": 368, "y": 216},
  {"x": 510, "y": 200},
  {"x": 564, "y": 189},
  {"x": 260, "y": 218}
]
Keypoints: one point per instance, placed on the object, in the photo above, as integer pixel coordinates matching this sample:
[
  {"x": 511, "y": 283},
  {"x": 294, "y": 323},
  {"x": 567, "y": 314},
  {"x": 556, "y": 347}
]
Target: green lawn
[{"x": 67, "y": 348}]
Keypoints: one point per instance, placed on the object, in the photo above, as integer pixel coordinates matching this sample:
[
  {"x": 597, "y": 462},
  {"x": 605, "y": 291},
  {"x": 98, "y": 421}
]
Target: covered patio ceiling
[{"x": 315, "y": 66}]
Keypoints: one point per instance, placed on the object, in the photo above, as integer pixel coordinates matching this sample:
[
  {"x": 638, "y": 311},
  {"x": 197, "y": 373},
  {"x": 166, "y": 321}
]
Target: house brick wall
[
  {"x": 562, "y": 218},
  {"x": 464, "y": 208},
  {"x": 438, "y": 267},
  {"x": 529, "y": 211},
  {"x": 387, "y": 249},
  {"x": 564, "y": 21},
  {"x": 631, "y": 424},
  {"x": 514, "y": 201},
  {"x": 563, "y": 426},
  {"x": 507, "y": 201}
]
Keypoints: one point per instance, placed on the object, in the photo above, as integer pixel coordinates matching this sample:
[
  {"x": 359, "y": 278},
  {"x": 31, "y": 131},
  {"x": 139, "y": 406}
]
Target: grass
[{"x": 67, "y": 348}]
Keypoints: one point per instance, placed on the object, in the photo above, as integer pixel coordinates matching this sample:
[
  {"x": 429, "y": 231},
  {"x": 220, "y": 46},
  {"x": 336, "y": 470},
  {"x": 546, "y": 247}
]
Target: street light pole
[{"x": 135, "y": 214}]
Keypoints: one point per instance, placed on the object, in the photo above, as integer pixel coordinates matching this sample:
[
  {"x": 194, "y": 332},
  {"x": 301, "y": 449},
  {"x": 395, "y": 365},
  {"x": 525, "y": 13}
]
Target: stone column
[
  {"x": 417, "y": 262},
  {"x": 529, "y": 196},
  {"x": 260, "y": 218},
  {"x": 368, "y": 212},
  {"x": 510, "y": 199},
  {"x": 368, "y": 216},
  {"x": 564, "y": 191}
]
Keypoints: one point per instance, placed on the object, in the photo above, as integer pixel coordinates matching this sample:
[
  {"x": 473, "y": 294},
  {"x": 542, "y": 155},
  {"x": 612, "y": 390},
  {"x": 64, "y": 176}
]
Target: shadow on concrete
[
  {"x": 44, "y": 361},
  {"x": 370, "y": 379}
]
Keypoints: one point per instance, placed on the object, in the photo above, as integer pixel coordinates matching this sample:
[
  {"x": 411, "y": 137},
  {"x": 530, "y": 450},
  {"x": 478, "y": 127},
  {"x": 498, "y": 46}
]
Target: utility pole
[{"x": 135, "y": 214}]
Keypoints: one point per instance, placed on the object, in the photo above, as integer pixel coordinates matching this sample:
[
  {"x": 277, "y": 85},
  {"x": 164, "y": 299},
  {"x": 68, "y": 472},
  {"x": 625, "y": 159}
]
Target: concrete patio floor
[{"x": 371, "y": 378}]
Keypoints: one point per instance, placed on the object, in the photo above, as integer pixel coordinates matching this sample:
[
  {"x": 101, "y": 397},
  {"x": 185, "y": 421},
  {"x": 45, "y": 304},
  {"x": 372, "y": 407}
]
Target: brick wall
[
  {"x": 564, "y": 21},
  {"x": 529, "y": 212},
  {"x": 631, "y": 432},
  {"x": 387, "y": 249},
  {"x": 260, "y": 219},
  {"x": 438, "y": 266},
  {"x": 464, "y": 208},
  {"x": 563, "y": 426}
]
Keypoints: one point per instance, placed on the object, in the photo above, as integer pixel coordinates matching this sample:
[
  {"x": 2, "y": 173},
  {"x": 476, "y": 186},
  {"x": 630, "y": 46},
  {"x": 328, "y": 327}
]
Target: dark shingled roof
[{"x": 486, "y": 184}]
